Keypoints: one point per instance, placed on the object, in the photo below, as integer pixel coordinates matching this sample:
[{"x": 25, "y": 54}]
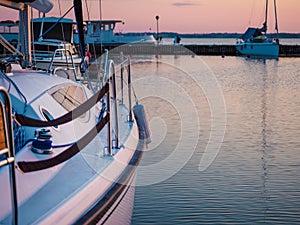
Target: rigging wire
[
  {"x": 50, "y": 28},
  {"x": 87, "y": 10},
  {"x": 100, "y": 15},
  {"x": 32, "y": 35},
  {"x": 251, "y": 14},
  {"x": 61, "y": 25},
  {"x": 276, "y": 19},
  {"x": 89, "y": 19},
  {"x": 260, "y": 15},
  {"x": 132, "y": 88},
  {"x": 253, "y": 20},
  {"x": 11, "y": 82},
  {"x": 101, "y": 44},
  {"x": 93, "y": 42},
  {"x": 63, "y": 33},
  {"x": 6, "y": 44}
]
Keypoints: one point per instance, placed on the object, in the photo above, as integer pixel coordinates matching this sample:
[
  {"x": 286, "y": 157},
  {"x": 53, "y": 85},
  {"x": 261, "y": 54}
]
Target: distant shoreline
[{"x": 208, "y": 35}]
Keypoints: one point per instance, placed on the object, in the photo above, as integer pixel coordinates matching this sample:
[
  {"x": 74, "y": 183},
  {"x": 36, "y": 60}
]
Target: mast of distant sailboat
[
  {"x": 276, "y": 21},
  {"x": 265, "y": 24}
]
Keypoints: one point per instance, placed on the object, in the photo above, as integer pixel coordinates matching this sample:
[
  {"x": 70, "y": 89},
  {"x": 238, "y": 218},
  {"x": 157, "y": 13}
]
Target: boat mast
[
  {"x": 101, "y": 18},
  {"x": 40, "y": 38},
  {"x": 25, "y": 34},
  {"x": 264, "y": 28},
  {"x": 276, "y": 21},
  {"x": 79, "y": 22}
]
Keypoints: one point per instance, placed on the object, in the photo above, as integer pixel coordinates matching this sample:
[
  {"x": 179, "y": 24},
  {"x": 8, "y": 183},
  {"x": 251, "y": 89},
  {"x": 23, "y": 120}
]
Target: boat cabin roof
[
  {"x": 52, "y": 20},
  {"x": 251, "y": 32},
  {"x": 53, "y": 42},
  {"x": 104, "y": 21},
  {"x": 33, "y": 83},
  {"x": 9, "y": 23},
  {"x": 61, "y": 31},
  {"x": 108, "y": 25}
]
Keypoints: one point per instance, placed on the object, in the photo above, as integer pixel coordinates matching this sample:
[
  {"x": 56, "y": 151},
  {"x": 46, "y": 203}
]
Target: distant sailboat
[{"x": 255, "y": 42}]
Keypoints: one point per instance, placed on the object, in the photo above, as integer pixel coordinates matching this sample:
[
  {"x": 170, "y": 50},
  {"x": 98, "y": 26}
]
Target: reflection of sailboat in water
[
  {"x": 264, "y": 145},
  {"x": 255, "y": 42}
]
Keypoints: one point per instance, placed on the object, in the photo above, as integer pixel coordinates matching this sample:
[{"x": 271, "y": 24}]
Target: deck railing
[
  {"x": 7, "y": 153},
  {"x": 110, "y": 76}
]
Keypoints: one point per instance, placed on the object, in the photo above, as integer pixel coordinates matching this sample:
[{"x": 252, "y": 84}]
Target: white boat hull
[
  {"x": 120, "y": 212},
  {"x": 102, "y": 32},
  {"x": 258, "y": 49},
  {"x": 115, "y": 39},
  {"x": 89, "y": 187},
  {"x": 81, "y": 169}
]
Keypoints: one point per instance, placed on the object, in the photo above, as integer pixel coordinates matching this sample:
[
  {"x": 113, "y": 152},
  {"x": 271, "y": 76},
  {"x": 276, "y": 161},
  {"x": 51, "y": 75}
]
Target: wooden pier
[
  {"x": 230, "y": 50},
  {"x": 221, "y": 50},
  {"x": 151, "y": 49},
  {"x": 289, "y": 50}
]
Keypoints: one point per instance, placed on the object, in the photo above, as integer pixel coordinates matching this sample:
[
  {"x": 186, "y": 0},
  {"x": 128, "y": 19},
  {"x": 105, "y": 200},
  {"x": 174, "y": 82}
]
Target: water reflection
[
  {"x": 264, "y": 110},
  {"x": 255, "y": 177}
]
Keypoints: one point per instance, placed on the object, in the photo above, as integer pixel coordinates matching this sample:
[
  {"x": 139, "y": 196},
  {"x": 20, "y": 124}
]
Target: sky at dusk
[{"x": 184, "y": 16}]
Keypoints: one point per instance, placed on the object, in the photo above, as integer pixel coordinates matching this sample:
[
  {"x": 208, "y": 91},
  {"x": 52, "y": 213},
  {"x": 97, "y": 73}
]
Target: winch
[{"x": 42, "y": 143}]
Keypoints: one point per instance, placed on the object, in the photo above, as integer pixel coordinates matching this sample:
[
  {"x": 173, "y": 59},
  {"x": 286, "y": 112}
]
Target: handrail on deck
[
  {"x": 64, "y": 53},
  {"x": 9, "y": 46},
  {"x": 9, "y": 153},
  {"x": 110, "y": 76}
]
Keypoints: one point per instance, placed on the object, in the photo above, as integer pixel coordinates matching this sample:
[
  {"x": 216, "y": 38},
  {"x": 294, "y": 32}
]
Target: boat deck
[{"x": 49, "y": 196}]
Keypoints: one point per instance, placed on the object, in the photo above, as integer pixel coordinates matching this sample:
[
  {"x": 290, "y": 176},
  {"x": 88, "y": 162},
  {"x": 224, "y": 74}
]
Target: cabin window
[
  {"x": 47, "y": 115},
  {"x": 69, "y": 97},
  {"x": 44, "y": 48}
]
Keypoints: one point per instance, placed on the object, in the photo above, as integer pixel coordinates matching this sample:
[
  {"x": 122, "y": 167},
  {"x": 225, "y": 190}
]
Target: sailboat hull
[
  {"x": 258, "y": 49},
  {"x": 255, "y": 42},
  {"x": 91, "y": 187}
]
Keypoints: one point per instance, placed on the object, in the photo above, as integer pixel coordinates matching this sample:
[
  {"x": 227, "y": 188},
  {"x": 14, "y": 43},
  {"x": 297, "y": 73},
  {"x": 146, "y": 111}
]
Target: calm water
[{"x": 191, "y": 101}]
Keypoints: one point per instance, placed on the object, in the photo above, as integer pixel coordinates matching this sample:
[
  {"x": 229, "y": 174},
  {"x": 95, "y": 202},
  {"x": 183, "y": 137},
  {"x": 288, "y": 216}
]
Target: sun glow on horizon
[{"x": 185, "y": 16}]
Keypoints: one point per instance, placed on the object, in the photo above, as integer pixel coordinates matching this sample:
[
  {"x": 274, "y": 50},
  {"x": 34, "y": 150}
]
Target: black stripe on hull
[{"x": 95, "y": 214}]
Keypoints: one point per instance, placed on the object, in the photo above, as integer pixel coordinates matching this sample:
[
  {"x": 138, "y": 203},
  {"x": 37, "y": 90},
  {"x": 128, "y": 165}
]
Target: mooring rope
[{"x": 31, "y": 166}]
